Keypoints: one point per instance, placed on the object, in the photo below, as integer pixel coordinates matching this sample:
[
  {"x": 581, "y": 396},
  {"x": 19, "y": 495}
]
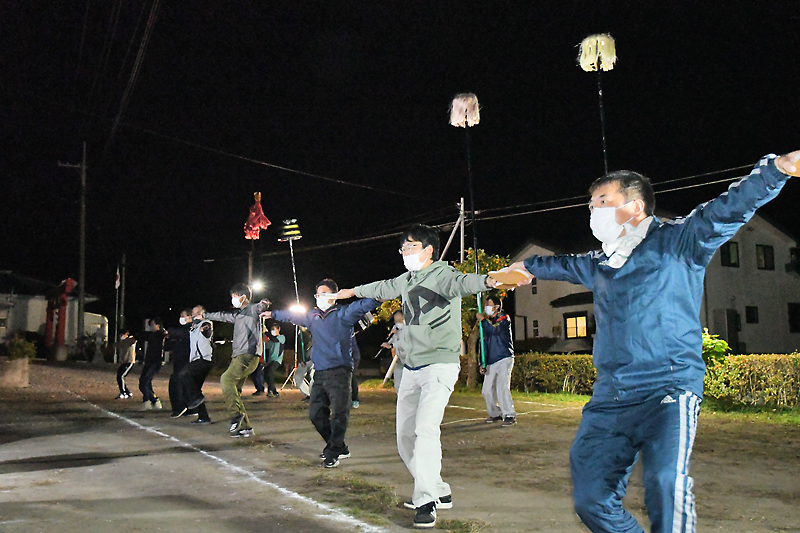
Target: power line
[
  {"x": 135, "y": 71},
  {"x": 264, "y": 163}
]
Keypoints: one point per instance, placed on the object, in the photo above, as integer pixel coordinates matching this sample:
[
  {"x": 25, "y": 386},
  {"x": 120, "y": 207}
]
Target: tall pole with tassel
[
  {"x": 465, "y": 113},
  {"x": 599, "y": 48}
]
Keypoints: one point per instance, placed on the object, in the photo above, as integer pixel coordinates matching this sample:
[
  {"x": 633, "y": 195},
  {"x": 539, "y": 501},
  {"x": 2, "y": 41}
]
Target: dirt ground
[{"x": 74, "y": 459}]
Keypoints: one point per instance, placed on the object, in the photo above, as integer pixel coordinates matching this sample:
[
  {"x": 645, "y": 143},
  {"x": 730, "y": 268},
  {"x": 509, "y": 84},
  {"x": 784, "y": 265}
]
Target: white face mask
[
  {"x": 413, "y": 262},
  {"x": 603, "y": 222},
  {"x": 400, "y": 325},
  {"x": 184, "y": 320},
  {"x": 488, "y": 310},
  {"x": 237, "y": 302},
  {"x": 274, "y": 332},
  {"x": 324, "y": 302}
]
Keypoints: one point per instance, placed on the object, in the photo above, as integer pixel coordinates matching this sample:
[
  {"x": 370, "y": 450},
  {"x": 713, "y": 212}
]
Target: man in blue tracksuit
[
  {"x": 331, "y": 326},
  {"x": 647, "y": 285}
]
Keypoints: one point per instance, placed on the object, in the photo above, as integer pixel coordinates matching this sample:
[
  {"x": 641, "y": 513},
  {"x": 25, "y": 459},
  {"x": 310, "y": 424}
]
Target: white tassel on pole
[
  {"x": 465, "y": 111},
  {"x": 596, "y": 47}
]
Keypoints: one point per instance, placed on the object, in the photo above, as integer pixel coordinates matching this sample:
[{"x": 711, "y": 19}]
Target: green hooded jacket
[{"x": 432, "y": 310}]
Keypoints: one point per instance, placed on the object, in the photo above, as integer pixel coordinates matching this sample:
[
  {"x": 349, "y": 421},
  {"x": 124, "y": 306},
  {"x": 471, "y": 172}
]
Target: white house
[
  {"x": 751, "y": 297},
  {"x": 23, "y": 308}
]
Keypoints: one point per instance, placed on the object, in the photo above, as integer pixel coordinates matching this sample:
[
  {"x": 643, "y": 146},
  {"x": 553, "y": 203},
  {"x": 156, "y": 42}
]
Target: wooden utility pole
[{"x": 82, "y": 250}]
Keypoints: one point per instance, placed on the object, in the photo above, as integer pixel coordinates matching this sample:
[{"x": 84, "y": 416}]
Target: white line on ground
[
  {"x": 461, "y": 407},
  {"x": 334, "y": 514},
  {"x": 518, "y": 415}
]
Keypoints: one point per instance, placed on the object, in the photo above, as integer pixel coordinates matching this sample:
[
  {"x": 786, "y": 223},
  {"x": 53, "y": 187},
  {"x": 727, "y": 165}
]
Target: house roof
[{"x": 578, "y": 298}]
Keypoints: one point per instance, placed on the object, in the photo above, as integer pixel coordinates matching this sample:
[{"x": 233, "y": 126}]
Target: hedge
[
  {"x": 771, "y": 379},
  {"x": 543, "y": 372}
]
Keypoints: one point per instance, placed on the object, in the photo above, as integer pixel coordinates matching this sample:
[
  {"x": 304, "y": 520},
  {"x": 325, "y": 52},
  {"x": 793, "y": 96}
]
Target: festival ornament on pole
[
  {"x": 599, "y": 48},
  {"x": 256, "y": 221},
  {"x": 465, "y": 113}
]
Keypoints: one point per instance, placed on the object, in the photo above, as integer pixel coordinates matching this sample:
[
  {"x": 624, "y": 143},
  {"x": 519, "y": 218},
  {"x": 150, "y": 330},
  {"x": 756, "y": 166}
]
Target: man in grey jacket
[{"x": 246, "y": 331}]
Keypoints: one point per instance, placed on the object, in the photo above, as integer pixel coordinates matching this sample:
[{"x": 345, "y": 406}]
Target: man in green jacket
[{"x": 431, "y": 293}]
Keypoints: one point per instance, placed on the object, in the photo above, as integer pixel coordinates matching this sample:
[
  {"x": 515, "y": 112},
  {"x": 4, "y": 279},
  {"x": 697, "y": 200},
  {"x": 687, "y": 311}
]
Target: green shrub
[
  {"x": 714, "y": 348},
  {"x": 19, "y": 348},
  {"x": 542, "y": 372},
  {"x": 755, "y": 379}
]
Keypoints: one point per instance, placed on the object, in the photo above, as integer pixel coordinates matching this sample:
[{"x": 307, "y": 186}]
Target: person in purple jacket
[
  {"x": 331, "y": 326},
  {"x": 648, "y": 286}
]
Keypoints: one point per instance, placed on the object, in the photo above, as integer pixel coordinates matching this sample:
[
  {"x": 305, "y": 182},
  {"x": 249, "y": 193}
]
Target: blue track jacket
[
  {"x": 497, "y": 338},
  {"x": 332, "y": 331},
  {"x": 648, "y": 337}
]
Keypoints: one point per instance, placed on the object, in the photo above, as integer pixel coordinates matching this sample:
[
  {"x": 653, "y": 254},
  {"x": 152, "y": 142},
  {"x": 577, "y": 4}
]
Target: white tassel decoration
[
  {"x": 599, "y": 46},
  {"x": 465, "y": 111}
]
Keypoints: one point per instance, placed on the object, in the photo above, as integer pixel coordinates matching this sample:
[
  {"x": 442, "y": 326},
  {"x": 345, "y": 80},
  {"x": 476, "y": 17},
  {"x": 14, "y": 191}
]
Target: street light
[{"x": 258, "y": 286}]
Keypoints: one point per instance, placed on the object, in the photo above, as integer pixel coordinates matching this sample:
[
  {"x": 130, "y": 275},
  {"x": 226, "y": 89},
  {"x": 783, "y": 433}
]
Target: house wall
[
  {"x": 29, "y": 313},
  {"x": 537, "y": 306},
  {"x": 769, "y": 290}
]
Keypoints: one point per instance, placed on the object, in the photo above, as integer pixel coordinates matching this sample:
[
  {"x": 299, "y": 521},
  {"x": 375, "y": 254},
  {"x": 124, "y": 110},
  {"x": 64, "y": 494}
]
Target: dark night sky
[{"x": 359, "y": 92}]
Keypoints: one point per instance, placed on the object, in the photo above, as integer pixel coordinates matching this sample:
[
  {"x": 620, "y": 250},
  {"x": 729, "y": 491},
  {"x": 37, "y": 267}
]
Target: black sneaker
[
  {"x": 236, "y": 423},
  {"x": 508, "y": 422},
  {"x": 201, "y": 421},
  {"x": 242, "y": 432},
  {"x": 258, "y": 393},
  {"x": 179, "y": 413},
  {"x": 330, "y": 462},
  {"x": 444, "y": 502},
  {"x": 271, "y": 394},
  {"x": 194, "y": 404},
  {"x": 493, "y": 419},
  {"x": 426, "y": 516}
]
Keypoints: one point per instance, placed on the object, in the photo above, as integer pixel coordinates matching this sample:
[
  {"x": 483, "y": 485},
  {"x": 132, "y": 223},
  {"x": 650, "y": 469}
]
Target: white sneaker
[
  {"x": 157, "y": 405},
  {"x": 146, "y": 406}
]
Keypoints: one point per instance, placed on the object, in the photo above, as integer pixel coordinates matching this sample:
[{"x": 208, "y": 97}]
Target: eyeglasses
[{"x": 409, "y": 246}]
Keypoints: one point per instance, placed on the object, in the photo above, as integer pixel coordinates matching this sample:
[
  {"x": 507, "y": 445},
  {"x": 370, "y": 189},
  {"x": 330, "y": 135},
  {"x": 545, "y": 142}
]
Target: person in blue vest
[
  {"x": 331, "y": 326},
  {"x": 499, "y": 362},
  {"x": 648, "y": 285}
]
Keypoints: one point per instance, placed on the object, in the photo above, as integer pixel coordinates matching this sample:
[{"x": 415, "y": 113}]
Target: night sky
[{"x": 359, "y": 92}]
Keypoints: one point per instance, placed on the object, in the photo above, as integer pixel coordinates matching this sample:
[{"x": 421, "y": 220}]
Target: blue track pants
[{"x": 610, "y": 439}]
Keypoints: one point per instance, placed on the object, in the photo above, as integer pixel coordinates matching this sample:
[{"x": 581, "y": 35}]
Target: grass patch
[
  {"x": 359, "y": 494},
  {"x": 376, "y": 384},
  {"x": 461, "y": 526},
  {"x": 761, "y": 413}
]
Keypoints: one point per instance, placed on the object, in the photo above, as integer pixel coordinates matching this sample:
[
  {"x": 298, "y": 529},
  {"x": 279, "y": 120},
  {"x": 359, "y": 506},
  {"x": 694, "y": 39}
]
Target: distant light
[
  {"x": 258, "y": 286},
  {"x": 297, "y": 308}
]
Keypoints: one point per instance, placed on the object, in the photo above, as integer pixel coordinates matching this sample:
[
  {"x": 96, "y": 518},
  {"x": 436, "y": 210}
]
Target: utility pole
[
  {"x": 121, "y": 316},
  {"x": 82, "y": 252}
]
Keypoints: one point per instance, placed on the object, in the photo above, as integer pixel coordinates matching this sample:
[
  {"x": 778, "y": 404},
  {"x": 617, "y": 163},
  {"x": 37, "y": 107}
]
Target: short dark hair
[
  {"x": 427, "y": 235},
  {"x": 494, "y": 298},
  {"x": 328, "y": 283},
  {"x": 188, "y": 311},
  {"x": 632, "y": 185},
  {"x": 242, "y": 289},
  {"x": 156, "y": 321}
]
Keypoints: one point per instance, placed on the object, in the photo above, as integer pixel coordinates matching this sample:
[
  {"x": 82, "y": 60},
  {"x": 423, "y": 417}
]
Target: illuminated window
[
  {"x": 575, "y": 325},
  {"x": 765, "y": 257},
  {"x": 729, "y": 254}
]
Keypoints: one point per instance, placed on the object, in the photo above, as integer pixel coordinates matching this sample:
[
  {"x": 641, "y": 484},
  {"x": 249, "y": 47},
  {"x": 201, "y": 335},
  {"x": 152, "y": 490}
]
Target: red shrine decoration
[{"x": 256, "y": 221}]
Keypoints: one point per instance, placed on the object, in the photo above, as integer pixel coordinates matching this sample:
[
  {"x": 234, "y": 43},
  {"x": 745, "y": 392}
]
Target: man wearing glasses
[{"x": 431, "y": 293}]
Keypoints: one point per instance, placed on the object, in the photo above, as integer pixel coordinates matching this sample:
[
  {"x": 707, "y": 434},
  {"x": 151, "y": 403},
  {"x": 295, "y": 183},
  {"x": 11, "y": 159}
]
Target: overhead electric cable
[
  {"x": 264, "y": 163},
  {"x": 135, "y": 71}
]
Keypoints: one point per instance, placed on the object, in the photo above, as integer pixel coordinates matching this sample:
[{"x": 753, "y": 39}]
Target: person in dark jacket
[
  {"x": 153, "y": 360},
  {"x": 180, "y": 358},
  {"x": 244, "y": 357},
  {"x": 647, "y": 285},
  {"x": 331, "y": 326},
  {"x": 499, "y": 361}
]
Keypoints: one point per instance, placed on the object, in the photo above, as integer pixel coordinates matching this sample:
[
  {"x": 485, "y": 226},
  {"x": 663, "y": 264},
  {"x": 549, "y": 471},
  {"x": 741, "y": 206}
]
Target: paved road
[{"x": 68, "y": 465}]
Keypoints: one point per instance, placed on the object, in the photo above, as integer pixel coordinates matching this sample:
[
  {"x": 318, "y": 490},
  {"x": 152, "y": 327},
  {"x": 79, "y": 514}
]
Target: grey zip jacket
[
  {"x": 246, "y": 326},
  {"x": 431, "y": 308}
]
